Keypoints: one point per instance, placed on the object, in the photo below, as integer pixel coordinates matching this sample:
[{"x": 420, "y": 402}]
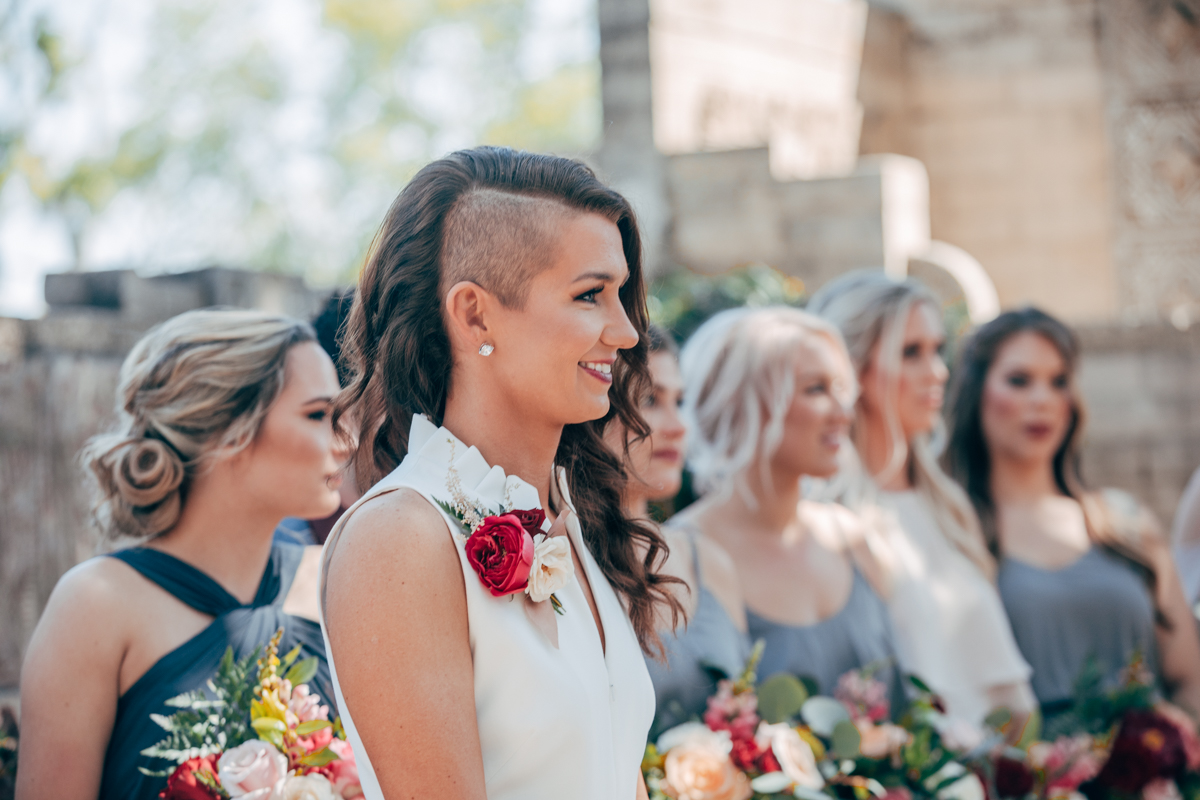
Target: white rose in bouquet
[
  {"x": 253, "y": 770},
  {"x": 308, "y": 787},
  {"x": 551, "y": 567}
]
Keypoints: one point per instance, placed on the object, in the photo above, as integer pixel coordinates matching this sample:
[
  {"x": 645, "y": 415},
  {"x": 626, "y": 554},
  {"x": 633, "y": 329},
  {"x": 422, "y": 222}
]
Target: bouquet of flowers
[
  {"x": 260, "y": 736},
  {"x": 1118, "y": 744},
  {"x": 780, "y": 741}
]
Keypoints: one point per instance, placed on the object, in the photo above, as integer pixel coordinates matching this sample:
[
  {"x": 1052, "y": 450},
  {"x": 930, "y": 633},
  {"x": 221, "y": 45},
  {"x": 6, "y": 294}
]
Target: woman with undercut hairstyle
[
  {"x": 223, "y": 427},
  {"x": 488, "y": 601},
  {"x": 950, "y": 624},
  {"x": 1084, "y": 575}
]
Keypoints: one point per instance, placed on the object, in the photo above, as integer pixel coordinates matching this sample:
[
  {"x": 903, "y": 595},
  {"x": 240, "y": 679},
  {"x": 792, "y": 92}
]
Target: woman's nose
[{"x": 619, "y": 332}]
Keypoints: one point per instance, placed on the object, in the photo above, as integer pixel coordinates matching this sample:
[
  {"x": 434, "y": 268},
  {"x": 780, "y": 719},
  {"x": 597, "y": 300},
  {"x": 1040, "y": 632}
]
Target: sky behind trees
[{"x": 269, "y": 134}]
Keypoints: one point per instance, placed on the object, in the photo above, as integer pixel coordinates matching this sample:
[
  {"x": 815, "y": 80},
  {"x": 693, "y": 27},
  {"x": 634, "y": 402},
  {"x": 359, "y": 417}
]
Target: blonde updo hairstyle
[
  {"x": 195, "y": 385},
  {"x": 871, "y": 309},
  {"x": 739, "y": 373}
]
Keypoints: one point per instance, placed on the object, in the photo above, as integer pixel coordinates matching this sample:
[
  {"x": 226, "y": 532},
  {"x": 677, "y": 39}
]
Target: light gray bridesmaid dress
[
  {"x": 857, "y": 636},
  {"x": 710, "y": 645},
  {"x": 1096, "y": 607}
]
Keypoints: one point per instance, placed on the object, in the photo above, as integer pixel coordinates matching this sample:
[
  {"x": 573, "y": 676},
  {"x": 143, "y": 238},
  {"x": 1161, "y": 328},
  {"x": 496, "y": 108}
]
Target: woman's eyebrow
[
  {"x": 607, "y": 277},
  {"x": 325, "y": 398}
]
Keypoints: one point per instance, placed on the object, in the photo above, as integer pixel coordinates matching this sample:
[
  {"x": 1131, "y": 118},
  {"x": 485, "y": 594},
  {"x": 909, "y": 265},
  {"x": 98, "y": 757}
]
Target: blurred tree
[{"x": 267, "y": 133}]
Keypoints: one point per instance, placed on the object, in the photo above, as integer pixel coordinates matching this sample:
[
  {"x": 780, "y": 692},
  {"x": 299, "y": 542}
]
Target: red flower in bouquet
[
  {"x": 531, "y": 519},
  {"x": 1147, "y": 746},
  {"x": 184, "y": 785},
  {"x": 501, "y": 553},
  {"x": 1013, "y": 778}
]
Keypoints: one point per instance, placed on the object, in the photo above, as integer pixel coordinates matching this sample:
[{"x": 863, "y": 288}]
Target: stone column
[{"x": 628, "y": 158}]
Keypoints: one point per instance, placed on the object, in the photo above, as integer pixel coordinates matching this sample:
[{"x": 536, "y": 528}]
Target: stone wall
[
  {"x": 1142, "y": 387},
  {"x": 1150, "y": 53},
  {"x": 58, "y": 378},
  {"x": 1004, "y": 103}
]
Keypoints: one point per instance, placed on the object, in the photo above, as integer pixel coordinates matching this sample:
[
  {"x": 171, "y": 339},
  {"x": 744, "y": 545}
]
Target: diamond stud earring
[{"x": 485, "y": 349}]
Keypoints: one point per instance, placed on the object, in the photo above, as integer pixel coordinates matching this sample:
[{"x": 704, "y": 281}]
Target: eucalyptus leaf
[
  {"x": 822, "y": 714},
  {"x": 808, "y": 793},
  {"x": 847, "y": 741},
  {"x": 781, "y": 697},
  {"x": 320, "y": 758},
  {"x": 920, "y": 684},
  {"x": 312, "y": 726},
  {"x": 302, "y": 671},
  {"x": 771, "y": 783},
  {"x": 263, "y": 724},
  {"x": 998, "y": 718}
]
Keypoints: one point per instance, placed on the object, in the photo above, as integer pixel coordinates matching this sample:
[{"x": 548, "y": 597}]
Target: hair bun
[{"x": 146, "y": 472}]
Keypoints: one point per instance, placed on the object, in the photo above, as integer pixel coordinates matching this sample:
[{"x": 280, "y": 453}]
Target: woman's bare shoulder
[
  {"x": 100, "y": 594},
  {"x": 396, "y": 543}
]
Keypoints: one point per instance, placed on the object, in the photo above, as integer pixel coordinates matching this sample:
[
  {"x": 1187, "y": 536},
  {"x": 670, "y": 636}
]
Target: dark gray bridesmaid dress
[{"x": 189, "y": 666}]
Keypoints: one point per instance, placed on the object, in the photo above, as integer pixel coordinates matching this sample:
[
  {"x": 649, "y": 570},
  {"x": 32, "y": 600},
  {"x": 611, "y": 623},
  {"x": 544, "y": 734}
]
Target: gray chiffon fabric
[
  {"x": 710, "y": 645},
  {"x": 857, "y": 636},
  {"x": 1096, "y": 607}
]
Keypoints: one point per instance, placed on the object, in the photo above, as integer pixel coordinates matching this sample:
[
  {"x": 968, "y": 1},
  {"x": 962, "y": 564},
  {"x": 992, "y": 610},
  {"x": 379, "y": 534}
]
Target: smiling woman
[
  {"x": 499, "y": 325},
  {"x": 224, "y": 427}
]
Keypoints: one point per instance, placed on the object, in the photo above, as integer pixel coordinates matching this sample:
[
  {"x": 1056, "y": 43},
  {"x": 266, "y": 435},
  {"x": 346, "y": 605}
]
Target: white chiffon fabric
[
  {"x": 951, "y": 629},
  {"x": 553, "y": 723}
]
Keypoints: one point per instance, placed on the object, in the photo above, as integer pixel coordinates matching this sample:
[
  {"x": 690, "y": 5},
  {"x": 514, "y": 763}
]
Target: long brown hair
[
  {"x": 967, "y": 457},
  {"x": 398, "y": 352}
]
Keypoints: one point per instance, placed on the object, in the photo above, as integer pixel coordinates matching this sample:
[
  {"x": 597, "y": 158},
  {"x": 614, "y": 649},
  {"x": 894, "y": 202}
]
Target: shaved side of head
[{"x": 500, "y": 241}]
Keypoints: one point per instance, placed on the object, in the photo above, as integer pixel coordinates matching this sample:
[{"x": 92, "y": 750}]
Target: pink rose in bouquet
[
  {"x": 863, "y": 696},
  {"x": 1067, "y": 761},
  {"x": 254, "y": 770},
  {"x": 343, "y": 773},
  {"x": 304, "y": 705}
]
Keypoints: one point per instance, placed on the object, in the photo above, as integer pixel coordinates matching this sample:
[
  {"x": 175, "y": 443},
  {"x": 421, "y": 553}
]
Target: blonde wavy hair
[
  {"x": 872, "y": 310},
  {"x": 739, "y": 373},
  {"x": 195, "y": 384}
]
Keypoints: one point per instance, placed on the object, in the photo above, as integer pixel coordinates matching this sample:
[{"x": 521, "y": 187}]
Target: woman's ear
[{"x": 469, "y": 308}]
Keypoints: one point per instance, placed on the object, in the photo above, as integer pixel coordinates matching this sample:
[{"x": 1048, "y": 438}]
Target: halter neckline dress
[
  {"x": 553, "y": 722},
  {"x": 188, "y": 667}
]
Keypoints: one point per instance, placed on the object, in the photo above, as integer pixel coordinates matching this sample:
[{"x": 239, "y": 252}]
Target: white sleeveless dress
[{"x": 553, "y": 723}]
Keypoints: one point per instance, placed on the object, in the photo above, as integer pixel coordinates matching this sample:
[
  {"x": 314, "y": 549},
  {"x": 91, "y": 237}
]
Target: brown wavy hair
[
  {"x": 968, "y": 460},
  {"x": 398, "y": 353}
]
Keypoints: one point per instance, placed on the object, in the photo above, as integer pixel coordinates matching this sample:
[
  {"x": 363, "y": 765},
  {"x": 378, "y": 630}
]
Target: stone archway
[{"x": 953, "y": 273}]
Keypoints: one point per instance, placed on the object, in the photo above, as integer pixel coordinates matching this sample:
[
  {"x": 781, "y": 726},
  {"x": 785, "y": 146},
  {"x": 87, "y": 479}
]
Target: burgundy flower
[
  {"x": 531, "y": 520},
  {"x": 501, "y": 553},
  {"x": 1013, "y": 778},
  {"x": 183, "y": 785},
  {"x": 1147, "y": 747}
]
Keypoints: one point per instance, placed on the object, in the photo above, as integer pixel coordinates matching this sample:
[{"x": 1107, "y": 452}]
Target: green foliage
[
  {"x": 781, "y": 697},
  {"x": 1095, "y": 709},
  {"x": 9, "y": 738},
  {"x": 219, "y": 117},
  {"x": 209, "y": 723},
  {"x": 683, "y": 300}
]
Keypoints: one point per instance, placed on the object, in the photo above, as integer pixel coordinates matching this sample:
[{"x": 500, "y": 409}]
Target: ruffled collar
[{"x": 488, "y": 485}]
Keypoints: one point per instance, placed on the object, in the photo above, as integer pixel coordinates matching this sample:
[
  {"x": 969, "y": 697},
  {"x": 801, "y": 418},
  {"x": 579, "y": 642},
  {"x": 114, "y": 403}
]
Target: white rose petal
[
  {"x": 308, "y": 787},
  {"x": 794, "y": 755},
  {"x": 551, "y": 568}
]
